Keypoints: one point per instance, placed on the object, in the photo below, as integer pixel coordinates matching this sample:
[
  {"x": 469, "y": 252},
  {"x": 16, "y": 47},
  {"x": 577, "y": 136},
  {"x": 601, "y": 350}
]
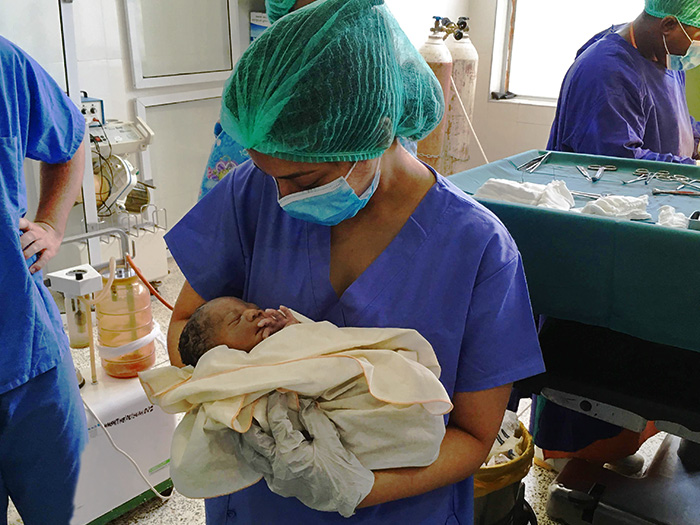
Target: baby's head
[{"x": 222, "y": 321}]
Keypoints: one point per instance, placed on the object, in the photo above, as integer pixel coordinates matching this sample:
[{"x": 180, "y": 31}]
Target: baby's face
[{"x": 235, "y": 323}]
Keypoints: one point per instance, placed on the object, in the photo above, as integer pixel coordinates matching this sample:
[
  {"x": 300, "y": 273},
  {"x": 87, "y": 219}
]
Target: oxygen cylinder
[
  {"x": 124, "y": 317},
  {"x": 438, "y": 57},
  {"x": 465, "y": 59}
]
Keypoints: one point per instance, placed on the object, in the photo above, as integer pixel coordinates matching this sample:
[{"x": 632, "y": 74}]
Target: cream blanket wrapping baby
[{"x": 379, "y": 386}]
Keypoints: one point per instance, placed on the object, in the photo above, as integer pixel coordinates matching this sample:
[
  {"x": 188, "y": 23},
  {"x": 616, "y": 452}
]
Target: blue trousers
[{"x": 42, "y": 433}]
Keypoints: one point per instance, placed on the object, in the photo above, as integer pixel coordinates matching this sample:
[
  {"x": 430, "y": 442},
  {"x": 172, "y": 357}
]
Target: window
[
  {"x": 539, "y": 40},
  {"x": 178, "y": 42}
]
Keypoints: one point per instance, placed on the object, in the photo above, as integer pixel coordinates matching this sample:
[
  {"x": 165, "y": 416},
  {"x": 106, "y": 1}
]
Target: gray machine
[{"x": 668, "y": 494}]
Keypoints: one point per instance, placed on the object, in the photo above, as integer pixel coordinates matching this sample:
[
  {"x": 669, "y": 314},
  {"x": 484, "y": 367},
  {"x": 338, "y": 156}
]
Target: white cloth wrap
[
  {"x": 554, "y": 195},
  {"x": 379, "y": 386}
]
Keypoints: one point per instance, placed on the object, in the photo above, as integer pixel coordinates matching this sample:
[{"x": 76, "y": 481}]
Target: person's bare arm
[
  {"x": 60, "y": 186},
  {"x": 187, "y": 302},
  {"x": 474, "y": 424}
]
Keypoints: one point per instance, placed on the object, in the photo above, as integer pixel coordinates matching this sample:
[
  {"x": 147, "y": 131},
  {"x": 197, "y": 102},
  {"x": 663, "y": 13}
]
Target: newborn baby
[
  {"x": 377, "y": 388},
  {"x": 231, "y": 322}
]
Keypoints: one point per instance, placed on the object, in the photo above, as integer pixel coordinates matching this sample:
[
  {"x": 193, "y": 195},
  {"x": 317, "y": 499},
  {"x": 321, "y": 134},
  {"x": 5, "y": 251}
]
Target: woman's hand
[{"x": 274, "y": 320}]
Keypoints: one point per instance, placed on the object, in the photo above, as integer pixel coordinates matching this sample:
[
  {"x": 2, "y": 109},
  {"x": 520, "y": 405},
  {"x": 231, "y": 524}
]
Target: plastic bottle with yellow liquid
[{"x": 124, "y": 317}]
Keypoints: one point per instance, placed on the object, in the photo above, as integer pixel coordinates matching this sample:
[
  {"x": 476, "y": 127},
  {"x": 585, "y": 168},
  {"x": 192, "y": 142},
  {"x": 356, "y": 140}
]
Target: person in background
[
  {"x": 624, "y": 96},
  {"x": 226, "y": 153},
  {"x": 335, "y": 219},
  {"x": 42, "y": 420}
]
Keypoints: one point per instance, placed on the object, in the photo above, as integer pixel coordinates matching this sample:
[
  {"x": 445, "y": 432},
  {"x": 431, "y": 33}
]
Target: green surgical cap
[
  {"x": 276, "y": 9},
  {"x": 335, "y": 81},
  {"x": 687, "y": 11}
]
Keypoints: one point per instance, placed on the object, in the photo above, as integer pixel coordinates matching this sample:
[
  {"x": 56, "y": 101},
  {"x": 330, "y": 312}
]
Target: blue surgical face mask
[
  {"x": 329, "y": 204},
  {"x": 686, "y": 62}
]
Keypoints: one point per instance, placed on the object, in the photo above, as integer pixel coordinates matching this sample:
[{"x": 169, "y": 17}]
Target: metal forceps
[
  {"x": 599, "y": 170},
  {"x": 535, "y": 163}
]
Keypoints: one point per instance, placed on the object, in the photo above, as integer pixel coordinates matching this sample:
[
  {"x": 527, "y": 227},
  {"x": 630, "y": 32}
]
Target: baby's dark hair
[{"x": 195, "y": 339}]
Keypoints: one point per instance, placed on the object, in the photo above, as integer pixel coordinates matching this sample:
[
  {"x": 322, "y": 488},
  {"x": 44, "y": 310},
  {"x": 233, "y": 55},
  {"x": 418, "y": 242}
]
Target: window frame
[{"x": 136, "y": 45}]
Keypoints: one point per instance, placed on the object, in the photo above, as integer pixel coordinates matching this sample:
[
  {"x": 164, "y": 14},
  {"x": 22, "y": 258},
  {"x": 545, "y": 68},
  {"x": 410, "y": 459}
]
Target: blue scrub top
[
  {"x": 38, "y": 121},
  {"x": 616, "y": 102},
  {"x": 453, "y": 273}
]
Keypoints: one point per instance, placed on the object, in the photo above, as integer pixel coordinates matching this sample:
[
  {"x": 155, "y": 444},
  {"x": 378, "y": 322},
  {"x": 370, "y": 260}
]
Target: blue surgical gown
[
  {"x": 453, "y": 273},
  {"x": 37, "y": 121},
  {"x": 42, "y": 420},
  {"x": 615, "y": 102}
]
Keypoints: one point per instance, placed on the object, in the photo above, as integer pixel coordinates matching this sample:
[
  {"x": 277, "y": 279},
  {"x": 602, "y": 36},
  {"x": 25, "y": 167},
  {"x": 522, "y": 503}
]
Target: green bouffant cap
[
  {"x": 687, "y": 11},
  {"x": 335, "y": 81}
]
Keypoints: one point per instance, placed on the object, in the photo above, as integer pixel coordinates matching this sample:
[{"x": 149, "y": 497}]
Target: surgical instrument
[
  {"x": 638, "y": 179},
  {"x": 689, "y": 183},
  {"x": 530, "y": 163},
  {"x": 583, "y": 172},
  {"x": 535, "y": 163},
  {"x": 544, "y": 159},
  {"x": 586, "y": 195},
  {"x": 656, "y": 175},
  {"x": 657, "y": 191},
  {"x": 600, "y": 170}
]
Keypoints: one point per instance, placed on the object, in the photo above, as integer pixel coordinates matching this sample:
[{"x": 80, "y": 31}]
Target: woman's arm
[
  {"x": 187, "y": 302},
  {"x": 474, "y": 424}
]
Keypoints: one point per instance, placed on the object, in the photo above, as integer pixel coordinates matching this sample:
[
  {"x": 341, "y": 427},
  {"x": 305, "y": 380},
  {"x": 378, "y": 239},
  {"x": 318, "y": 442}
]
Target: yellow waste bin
[{"x": 499, "y": 494}]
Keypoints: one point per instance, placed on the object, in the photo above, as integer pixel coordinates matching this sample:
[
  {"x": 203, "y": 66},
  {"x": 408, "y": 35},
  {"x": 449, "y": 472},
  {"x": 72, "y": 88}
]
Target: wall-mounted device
[
  {"x": 93, "y": 109},
  {"x": 115, "y": 137}
]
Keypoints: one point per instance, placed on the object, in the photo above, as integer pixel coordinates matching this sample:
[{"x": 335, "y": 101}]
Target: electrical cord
[
  {"x": 121, "y": 451},
  {"x": 110, "y": 180}
]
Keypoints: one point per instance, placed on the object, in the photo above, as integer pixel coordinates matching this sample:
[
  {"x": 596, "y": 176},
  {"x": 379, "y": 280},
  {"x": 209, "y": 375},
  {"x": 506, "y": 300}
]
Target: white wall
[
  {"x": 103, "y": 55},
  {"x": 504, "y": 127},
  {"x": 104, "y": 71}
]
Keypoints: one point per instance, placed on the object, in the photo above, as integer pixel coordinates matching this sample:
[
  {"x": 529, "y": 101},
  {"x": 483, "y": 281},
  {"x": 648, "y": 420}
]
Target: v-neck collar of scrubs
[{"x": 347, "y": 309}]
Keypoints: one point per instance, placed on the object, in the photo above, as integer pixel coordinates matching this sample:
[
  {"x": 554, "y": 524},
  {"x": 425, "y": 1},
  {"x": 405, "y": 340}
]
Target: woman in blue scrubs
[
  {"x": 624, "y": 96},
  {"x": 332, "y": 217}
]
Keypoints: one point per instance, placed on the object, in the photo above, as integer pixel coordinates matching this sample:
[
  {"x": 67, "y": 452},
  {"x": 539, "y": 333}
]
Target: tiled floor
[{"x": 191, "y": 512}]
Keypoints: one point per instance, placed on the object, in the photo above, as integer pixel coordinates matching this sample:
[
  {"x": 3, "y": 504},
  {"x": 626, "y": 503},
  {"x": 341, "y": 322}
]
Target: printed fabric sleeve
[
  {"x": 500, "y": 340},
  {"x": 209, "y": 244},
  {"x": 56, "y": 127}
]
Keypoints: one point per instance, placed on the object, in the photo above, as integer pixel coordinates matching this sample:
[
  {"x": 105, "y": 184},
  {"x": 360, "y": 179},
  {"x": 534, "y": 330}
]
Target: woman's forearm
[
  {"x": 474, "y": 424},
  {"x": 461, "y": 455}
]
